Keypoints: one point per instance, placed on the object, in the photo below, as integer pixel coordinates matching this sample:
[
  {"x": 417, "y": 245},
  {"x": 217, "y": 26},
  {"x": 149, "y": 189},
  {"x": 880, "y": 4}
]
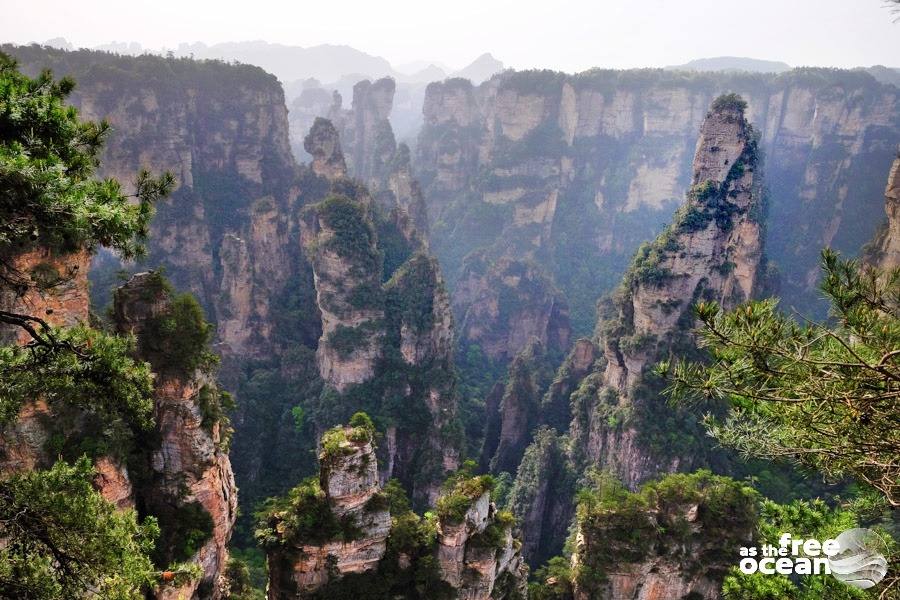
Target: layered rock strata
[
  {"x": 188, "y": 469},
  {"x": 576, "y": 171}
]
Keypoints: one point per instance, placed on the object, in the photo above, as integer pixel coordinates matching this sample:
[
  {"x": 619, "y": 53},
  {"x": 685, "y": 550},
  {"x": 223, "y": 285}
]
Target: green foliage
[
  {"x": 299, "y": 416},
  {"x": 803, "y": 519},
  {"x": 239, "y": 582},
  {"x": 553, "y": 581},
  {"x": 63, "y": 540},
  {"x": 215, "y": 404},
  {"x": 303, "y": 517},
  {"x": 411, "y": 292},
  {"x": 417, "y": 578},
  {"x": 820, "y": 394},
  {"x": 184, "y": 529},
  {"x": 460, "y": 491},
  {"x": 354, "y": 237},
  {"x": 494, "y": 535},
  {"x": 730, "y": 101},
  {"x": 179, "y": 338},
  {"x": 47, "y": 162},
  {"x": 83, "y": 368},
  {"x": 347, "y": 340},
  {"x": 339, "y": 441},
  {"x": 253, "y": 560},
  {"x": 619, "y": 526}
]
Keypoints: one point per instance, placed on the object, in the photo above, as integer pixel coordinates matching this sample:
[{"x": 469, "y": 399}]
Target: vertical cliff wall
[
  {"x": 884, "y": 251},
  {"x": 344, "y": 535},
  {"x": 576, "y": 171},
  {"x": 373, "y": 155},
  {"x": 181, "y": 474},
  {"x": 228, "y": 234},
  {"x": 712, "y": 251},
  {"x": 673, "y": 539}
]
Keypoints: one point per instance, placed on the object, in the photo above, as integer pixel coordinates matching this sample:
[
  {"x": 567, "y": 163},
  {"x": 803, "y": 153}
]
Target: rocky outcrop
[
  {"x": 341, "y": 526},
  {"x": 578, "y": 170},
  {"x": 374, "y": 157},
  {"x": 540, "y": 498},
  {"x": 341, "y": 240},
  {"x": 519, "y": 409},
  {"x": 391, "y": 340},
  {"x": 620, "y": 421},
  {"x": 54, "y": 288},
  {"x": 628, "y": 552},
  {"x": 349, "y": 479},
  {"x": 188, "y": 472},
  {"x": 473, "y": 562},
  {"x": 504, "y": 304},
  {"x": 884, "y": 252},
  {"x": 323, "y": 144},
  {"x": 555, "y": 409},
  {"x": 711, "y": 252},
  {"x": 365, "y": 130},
  {"x": 228, "y": 234}
]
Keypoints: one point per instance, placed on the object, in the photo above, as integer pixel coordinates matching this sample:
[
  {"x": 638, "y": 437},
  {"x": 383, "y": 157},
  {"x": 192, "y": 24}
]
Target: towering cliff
[
  {"x": 712, "y": 251},
  {"x": 228, "y": 234},
  {"x": 345, "y": 536},
  {"x": 373, "y": 155},
  {"x": 177, "y": 472},
  {"x": 386, "y": 344},
  {"x": 884, "y": 250},
  {"x": 502, "y": 304},
  {"x": 231, "y": 233},
  {"x": 354, "y": 522},
  {"x": 673, "y": 539},
  {"x": 181, "y": 473},
  {"x": 575, "y": 171}
]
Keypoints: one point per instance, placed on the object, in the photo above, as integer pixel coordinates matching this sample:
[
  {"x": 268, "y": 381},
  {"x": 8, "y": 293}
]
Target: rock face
[
  {"x": 620, "y": 422},
  {"x": 365, "y": 130},
  {"x": 885, "y": 249},
  {"x": 56, "y": 290},
  {"x": 519, "y": 410},
  {"x": 347, "y": 276},
  {"x": 373, "y": 155},
  {"x": 576, "y": 171},
  {"x": 228, "y": 234},
  {"x": 387, "y": 332},
  {"x": 504, "y": 304},
  {"x": 479, "y": 571},
  {"x": 538, "y": 499},
  {"x": 475, "y": 554},
  {"x": 324, "y": 146},
  {"x": 630, "y": 554},
  {"x": 712, "y": 252},
  {"x": 189, "y": 469},
  {"x": 349, "y": 478}
]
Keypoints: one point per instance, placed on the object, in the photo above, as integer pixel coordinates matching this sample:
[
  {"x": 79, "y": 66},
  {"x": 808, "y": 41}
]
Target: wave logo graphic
[{"x": 859, "y": 561}]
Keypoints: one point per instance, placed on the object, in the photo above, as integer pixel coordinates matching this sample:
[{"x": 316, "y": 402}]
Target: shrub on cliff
[
  {"x": 303, "y": 517},
  {"x": 179, "y": 338},
  {"x": 460, "y": 491},
  {"x": 693, "y": 518}
]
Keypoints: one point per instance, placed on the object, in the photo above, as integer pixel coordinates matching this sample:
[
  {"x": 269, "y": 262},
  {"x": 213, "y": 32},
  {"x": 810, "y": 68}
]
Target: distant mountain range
[
  {"x": 326, "y": 63},
  {"x": 755, "y": 65},
  {"x": 732, "y": 63}
]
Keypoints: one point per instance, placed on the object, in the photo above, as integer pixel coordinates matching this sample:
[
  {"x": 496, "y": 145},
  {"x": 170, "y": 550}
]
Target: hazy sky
[{"x": 570, "y": 35}]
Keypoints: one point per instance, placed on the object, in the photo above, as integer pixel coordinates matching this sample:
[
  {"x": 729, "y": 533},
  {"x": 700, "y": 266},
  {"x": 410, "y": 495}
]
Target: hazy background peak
[{"x": 569, "y": 35}]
